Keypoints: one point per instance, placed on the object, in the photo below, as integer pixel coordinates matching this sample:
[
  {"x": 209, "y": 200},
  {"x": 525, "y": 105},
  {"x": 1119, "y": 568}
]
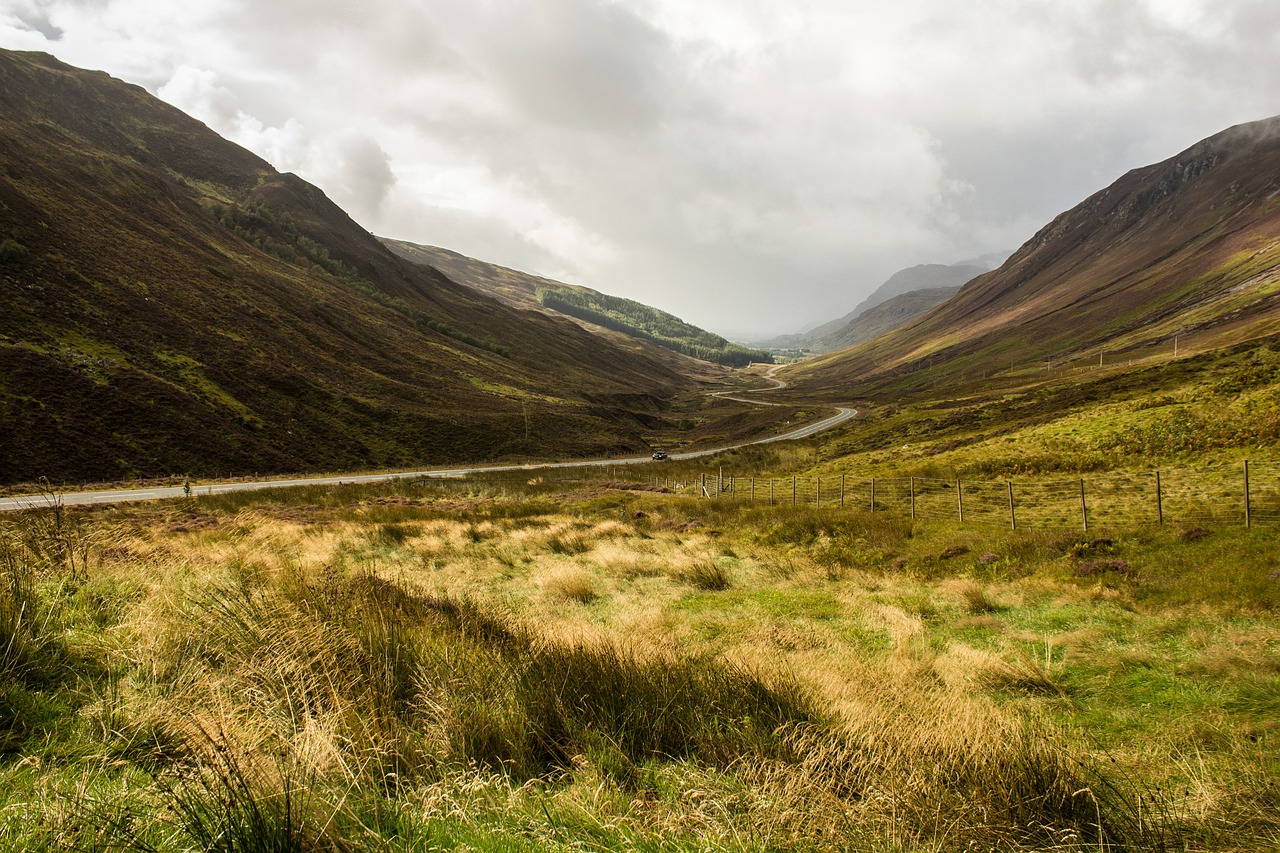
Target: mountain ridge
[
  {"x": 174, "y": 304},
  {"x": 527, "y": 291},
  {"x": 1186, "y": 246}
]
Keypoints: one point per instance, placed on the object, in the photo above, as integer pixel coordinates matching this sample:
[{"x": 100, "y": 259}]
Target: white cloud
[{"x": 749, "y": 165}]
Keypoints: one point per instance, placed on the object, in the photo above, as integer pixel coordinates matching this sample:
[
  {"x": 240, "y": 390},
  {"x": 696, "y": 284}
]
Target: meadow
[{"x": 564, "y": 664}]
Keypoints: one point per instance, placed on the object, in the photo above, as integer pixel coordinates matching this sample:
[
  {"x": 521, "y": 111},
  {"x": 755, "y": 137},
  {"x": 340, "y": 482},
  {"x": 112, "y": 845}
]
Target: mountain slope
[
  {"x": 832, "y": 335},
  {"x": 520, "y": 290},
  {"x": 173, "y": 304},
  {"x": 885, "y": 316},
  {"x": 1187, "y": 247},
  {"x": 594, "y": 310},
  {"x": 918, "y": 277}
]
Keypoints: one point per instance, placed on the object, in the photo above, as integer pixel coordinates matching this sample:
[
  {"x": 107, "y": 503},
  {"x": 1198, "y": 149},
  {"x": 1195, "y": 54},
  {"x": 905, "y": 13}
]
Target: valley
[{"x": 319, "y": 541}]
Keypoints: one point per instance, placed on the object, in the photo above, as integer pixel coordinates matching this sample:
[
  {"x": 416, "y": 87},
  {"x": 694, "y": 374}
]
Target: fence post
[
  {"x": 704, "y": 485},
  {"x": 873, "y": 494},
  {"x": 817, "y": 491},
  {"x": 913, "y": 498},
  {"x": 1013, "y": 518},
  {"x": 793, "y": 489},
  {"x": 1159, "y": 501},
  {"x": 1248, "y": 520},
  {"x": 960, "y": 499},
  {"x": 842, "y": 491},
  {"x": 771, "y": 491},
  {"x": 1084, "y": 508},
  {"x": 753, "y": 489}
]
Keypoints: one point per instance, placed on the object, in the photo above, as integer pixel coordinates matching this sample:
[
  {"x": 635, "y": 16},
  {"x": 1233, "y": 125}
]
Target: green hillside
[{"x": 636, "y": 318}]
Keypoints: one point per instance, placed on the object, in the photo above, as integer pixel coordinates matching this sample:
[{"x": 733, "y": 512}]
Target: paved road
[{"x": 150, "y": 494}]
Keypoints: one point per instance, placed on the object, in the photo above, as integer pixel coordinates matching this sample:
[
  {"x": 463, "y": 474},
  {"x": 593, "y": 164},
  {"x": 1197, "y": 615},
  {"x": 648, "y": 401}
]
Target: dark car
[{"x": 659, "y": 456}]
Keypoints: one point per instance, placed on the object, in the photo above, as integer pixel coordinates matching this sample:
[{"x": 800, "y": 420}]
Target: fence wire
[{"x": 1223, "y": 493}]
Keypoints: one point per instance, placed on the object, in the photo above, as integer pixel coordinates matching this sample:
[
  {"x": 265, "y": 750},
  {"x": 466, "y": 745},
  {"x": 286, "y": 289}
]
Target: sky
[{"x": 754, "y": 167}]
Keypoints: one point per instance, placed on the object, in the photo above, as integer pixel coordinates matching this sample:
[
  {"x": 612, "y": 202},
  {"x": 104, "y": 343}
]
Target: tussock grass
[
  {"x": 353, "y": 676},
  {"x": 978, "y": 600},
  {"x": 571, "y": 583},
  {"x": 705, "y": 575}
]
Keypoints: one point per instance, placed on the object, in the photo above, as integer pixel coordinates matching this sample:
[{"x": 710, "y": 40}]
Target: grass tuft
[{"x": 705, "y": 575}]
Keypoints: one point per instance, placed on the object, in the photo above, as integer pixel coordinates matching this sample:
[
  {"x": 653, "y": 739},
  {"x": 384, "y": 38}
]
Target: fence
[{"x": 1246, "y": 493}]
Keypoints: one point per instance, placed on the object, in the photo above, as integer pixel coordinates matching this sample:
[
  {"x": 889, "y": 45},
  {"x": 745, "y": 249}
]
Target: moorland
[{"x": 568, "y": 660}]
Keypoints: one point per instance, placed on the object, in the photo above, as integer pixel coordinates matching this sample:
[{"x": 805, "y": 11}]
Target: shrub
[{"x": 13, "y": 252}]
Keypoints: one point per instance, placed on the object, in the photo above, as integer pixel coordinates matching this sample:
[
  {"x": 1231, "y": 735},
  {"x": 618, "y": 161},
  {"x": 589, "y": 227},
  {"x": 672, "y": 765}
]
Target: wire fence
[{"x": 1245, "y": 493}]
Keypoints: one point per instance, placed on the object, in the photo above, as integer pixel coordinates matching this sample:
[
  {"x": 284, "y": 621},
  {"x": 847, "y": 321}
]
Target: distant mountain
[
  {"x": 842, "y": 332},
  {"x": 919, "y": 277},
  {"x": 885, "y": 316},
  {"x": 1189, "y": 247},
  {"x": 598, "y": 312},
  {"x": 172, "y": 304}
]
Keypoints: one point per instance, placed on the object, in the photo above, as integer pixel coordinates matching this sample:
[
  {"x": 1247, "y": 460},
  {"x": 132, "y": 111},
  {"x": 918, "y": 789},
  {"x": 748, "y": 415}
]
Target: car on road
[{"x": 659, "y": 456}]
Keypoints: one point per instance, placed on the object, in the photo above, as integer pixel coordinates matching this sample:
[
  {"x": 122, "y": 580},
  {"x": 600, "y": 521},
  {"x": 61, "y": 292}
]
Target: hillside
[
  {"x": 918, "y": 277},
  {"x": 885, "y": 316},
  {"x": 173, "y": 304},
  {"x": 1186, "y": 248},
  {"x": 642, "y": 321},
  {"x": 520, "y": 290},
  {"x": 838, "y": 333}
]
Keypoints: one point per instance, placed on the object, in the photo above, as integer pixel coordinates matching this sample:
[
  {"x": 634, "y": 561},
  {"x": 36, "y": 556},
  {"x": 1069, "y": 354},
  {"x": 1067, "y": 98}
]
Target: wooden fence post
[
  {"x": 873, "y": 494},
  {"x": 793, "y": 489},
  {"x": 960, "y": 499},
  {"x": 817, "y": 491},
  {"x": 1248, "y": 520},
  {"x": 842, "y": 490},
  {"x": 1013, "y": 518},
  {"x": 770, "y": 491},
  {"x": 1159, "y": 501},
  {"x": 1084, "y": 508},
  {"x": 753, "y": 489},
  {"x": 704, "y": 485}
]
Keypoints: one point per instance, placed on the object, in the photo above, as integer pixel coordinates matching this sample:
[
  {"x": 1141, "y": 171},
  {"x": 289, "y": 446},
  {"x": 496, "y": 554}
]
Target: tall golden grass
[{"x": 390, "y": 677}]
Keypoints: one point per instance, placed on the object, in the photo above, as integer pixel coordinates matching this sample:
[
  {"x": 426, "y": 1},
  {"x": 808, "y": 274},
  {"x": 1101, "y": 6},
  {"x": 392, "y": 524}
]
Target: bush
[{"x": 13, "y": 252}]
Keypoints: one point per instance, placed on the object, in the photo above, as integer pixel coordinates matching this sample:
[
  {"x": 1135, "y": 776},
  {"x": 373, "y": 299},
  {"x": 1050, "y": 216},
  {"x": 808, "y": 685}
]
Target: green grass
[{"x": 402, "y": 665}]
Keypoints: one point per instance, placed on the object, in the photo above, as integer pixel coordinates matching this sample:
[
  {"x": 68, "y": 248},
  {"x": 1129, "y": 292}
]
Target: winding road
[{"x": 150, "y": 494}]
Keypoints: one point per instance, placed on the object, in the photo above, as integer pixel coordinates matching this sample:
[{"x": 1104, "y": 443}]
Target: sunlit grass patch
[
  {"x": 462, "y": 678},
  {"x": 569, "y": 582}
]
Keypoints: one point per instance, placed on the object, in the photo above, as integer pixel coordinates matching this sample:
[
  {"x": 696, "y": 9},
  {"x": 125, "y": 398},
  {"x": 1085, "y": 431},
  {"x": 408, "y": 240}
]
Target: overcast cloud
[{"x": 753, "y": 167}]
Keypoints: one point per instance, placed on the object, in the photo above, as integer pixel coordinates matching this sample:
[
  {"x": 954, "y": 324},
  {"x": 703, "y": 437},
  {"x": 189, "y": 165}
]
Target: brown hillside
[
  {"x": 173, "y": 304},
  {"x": 1187, "y": 247},
  {"x": 520, "y": 290}
]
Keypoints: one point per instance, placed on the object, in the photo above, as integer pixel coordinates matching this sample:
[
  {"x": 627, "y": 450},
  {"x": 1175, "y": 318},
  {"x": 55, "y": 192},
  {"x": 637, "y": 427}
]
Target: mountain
[
  {"x": 529, "y": 292},
  {"x": 1189, "y": 247},
  {"x": 841, "y": 332},
  {"x": 885, "y": 316},
  {"x": 171, "y": 303},
  {"x": 919, "y": 277}
]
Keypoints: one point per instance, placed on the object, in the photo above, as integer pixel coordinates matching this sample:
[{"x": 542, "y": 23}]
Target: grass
[{"x": 417, "y": 665}]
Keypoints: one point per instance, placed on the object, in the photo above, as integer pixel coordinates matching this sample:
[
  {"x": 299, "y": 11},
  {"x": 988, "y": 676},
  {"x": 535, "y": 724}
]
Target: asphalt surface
[{"x": 150, "y": 494}]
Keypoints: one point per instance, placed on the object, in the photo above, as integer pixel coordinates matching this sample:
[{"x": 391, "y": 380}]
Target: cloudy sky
[{"x": 756, "y": 167}]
